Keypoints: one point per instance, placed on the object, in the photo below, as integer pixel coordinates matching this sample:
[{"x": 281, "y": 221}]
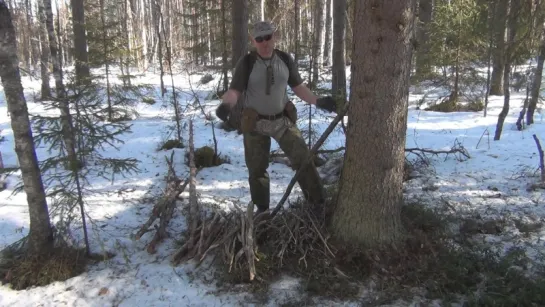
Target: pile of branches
[{"x": 250, "y": 244}]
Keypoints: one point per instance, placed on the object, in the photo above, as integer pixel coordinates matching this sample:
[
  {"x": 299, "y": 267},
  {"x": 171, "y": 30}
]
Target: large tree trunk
[
  {"x": 40, "y": 234},
  {"x": 80, "y": 40},
  {"x": 423, "y": 66},
  {"x": 498, "y": 54},
  {"x": 371, "y": 195},
  {"x": 317, "y": 41},
  {"x": 338, "y": 71},
  {"x": 536, "y": 83},
  {"x": 239, "y": 43}
]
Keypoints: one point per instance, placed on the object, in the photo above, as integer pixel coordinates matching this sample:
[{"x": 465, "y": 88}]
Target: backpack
[{"x": 251, "y": 57}]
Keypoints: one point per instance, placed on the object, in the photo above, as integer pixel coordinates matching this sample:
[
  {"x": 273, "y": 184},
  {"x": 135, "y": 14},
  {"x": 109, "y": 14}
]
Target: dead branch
[
  {"x": 248, "y": 240},
  {"x": 194, "y": 214},
  {"x": 323, "y": 151},
  {"x": 164, "y": 208},
  {"x": 313, "y": 151},
  {"x": 541, "y": 163},
  {"x": 416, "y": 151},
  {"x": 485, "y": 132},
  {"x": 456, "y": 149}
]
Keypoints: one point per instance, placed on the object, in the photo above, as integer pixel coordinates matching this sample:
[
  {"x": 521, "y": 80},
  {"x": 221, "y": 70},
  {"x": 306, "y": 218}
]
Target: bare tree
[
  {"x": 80, "y": 40},
  {"x": 508, "y": 58},
  {"x": 271, "y": 10},
  {"x": 44, "y": 58},
  {"x": 425, "y": 8},
  {"x": 239, "y": 42},
  {"x": 40, "y": 234},
  {"x": 297, "y": 22},
  {"x": 498, "y": 53},
  {"x": 224, "y": 46},
  {"x": 371, "y": 185},
  {"x": 327, "y": 29},
  {"x": 536, "y": 82},
  {"x": 66, "y": 117},
  {"x": 338, "y": 72},
  {"x": 317, "y": 42}
]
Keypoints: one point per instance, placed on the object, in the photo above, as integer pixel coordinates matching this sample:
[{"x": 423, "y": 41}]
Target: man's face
[{"x": 264, "y": 44}]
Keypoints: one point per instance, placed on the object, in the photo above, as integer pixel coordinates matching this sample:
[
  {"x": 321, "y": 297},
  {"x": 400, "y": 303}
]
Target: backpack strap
[
  {"x": 284, "y": 56},
  {"x": 251, "y": 57}
]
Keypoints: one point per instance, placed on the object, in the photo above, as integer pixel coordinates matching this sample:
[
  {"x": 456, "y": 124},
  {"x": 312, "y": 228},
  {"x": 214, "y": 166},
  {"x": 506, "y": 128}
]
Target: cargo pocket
[
  {"x": 290, "y": 111},
  {"x": 248, "y": 120}
]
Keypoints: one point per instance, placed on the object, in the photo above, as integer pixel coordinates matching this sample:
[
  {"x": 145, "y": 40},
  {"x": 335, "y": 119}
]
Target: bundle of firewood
[{"x": 294, "y": 234}]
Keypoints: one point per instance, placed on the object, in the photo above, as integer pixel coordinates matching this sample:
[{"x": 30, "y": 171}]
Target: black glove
[
  {"x": 327, "y": 103},
  {"x": 223, "y": 111}
]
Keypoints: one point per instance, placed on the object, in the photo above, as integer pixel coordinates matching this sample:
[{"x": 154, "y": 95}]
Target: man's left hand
[
  {"x": 327, "y": 103},
  {"x": 223, "y": 111}
]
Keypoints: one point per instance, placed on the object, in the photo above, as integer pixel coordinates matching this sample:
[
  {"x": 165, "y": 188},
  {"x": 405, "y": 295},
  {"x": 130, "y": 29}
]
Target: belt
[{"x": 271, "y": 117}]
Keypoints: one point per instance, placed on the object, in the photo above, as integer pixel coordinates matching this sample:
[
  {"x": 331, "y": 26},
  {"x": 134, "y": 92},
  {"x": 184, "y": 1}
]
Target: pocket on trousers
[
  {"x": 290, "y": 111},
  {"x": 248, "y": 120}
]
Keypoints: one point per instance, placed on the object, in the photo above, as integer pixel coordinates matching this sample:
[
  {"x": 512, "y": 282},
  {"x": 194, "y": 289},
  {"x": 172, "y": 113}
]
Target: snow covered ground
[{"x": 492, "y": 183}]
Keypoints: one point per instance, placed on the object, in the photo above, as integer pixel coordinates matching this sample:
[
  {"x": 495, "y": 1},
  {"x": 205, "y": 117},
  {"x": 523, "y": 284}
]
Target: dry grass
[{"x": 23, "y": 271}]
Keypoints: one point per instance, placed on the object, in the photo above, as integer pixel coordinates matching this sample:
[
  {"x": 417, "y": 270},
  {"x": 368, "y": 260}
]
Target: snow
[{"x": 492, "y": 183}]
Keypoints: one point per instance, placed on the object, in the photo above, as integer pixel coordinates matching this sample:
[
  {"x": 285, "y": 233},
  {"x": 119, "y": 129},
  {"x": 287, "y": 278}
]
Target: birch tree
[{"x": 40, "y": 239}]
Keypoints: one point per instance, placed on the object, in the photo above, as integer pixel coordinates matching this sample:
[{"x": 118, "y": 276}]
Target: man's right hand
[{"x": 223, "y": 111}]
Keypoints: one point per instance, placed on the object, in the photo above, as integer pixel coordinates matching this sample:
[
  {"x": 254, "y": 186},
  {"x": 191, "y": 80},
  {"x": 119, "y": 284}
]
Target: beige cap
[{"x": 261, "y": 28}]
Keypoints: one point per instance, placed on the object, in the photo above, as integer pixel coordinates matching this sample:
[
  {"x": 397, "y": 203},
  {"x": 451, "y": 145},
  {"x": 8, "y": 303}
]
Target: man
[{"x": 266, "y": 108}]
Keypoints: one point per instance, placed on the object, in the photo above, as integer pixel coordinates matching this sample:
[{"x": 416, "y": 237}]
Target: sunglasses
[{"x": 266, "y": 38}]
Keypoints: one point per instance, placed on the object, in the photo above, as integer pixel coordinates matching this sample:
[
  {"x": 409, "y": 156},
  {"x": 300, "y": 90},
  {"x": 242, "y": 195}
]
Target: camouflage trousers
[{"x": 257, "y": 145}]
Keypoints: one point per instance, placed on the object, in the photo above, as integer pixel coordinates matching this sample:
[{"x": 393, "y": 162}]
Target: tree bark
[
  {"x": 498, "y": 54},
  {"x": 40, "y": 234},
  {"x": 224, "y": 46},
  {"x": 44, "y": 57},
  {"x": 327, "y": 39},
  {"x": 271, "y": 11},
  {"x": 239, "y": 43},
  {"x": 32, "y": 43},
  {"x": 513, "y": 17},
  {"x": 157, "y": 25},
  {"x": 66, "y": 117},
  {"x": 371, "y": 195},
  {"x": 317, "y": 41},
  {"x": 80, "y": 41},
  {"x": 423, "y": 66},
  {"x": 338, "y": 71},
  {"x": 536, "y": 83},
  {"x": 297, "y": 22}
]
